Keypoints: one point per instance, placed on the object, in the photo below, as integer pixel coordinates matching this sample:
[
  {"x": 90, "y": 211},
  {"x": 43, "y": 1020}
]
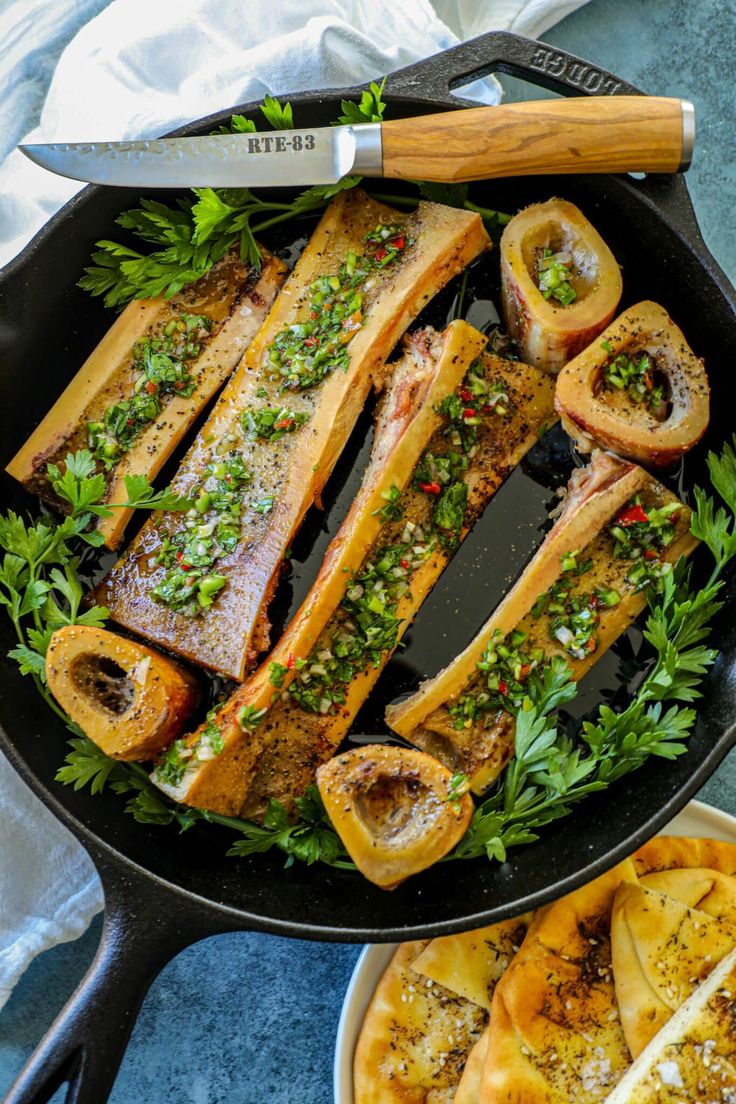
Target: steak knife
[{"x": 595, "y": 134}]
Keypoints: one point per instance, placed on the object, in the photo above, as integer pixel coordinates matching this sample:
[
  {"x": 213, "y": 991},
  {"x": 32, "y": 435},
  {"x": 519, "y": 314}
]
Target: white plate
[{"x": 696, "y": 819}]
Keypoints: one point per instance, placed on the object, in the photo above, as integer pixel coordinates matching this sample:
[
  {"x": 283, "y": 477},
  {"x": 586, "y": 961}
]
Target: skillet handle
[
  {"x": 145, "y": 926},
  {"x": 545, "y": 66}
]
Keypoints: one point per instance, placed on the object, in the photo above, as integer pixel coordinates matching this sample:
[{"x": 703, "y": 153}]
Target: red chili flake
[
  {"x": 469, "y": 412},
  {"x": 503, "y": 687},
  {"x": 284, "y": 423},
  {"x": 380, "y": 253},
  {"x": 313, "y": 342},
  {"x": 591, "y": 644},
  {"x": 291, "y": 662},
  {"x": 631, "y": 515},
  {"x": 313, "y": 314},
  {"x": 182, "y": 565},
  {"x": 398, "y": 243},
  {"x": 151, "y": 387},
  {"x": 129, "y": 421},
  {"x": 178, "y": 386},
  {"x": 404, "y": 564},
  {"x": 593, "y": 601},
  {"x": 466, "y": 395},
  {"x": 430, "y": 488},
  {"x": 524, "y": 671},
  {"x": 650, "y": 554},
  {"x": 487, "y": 409}
]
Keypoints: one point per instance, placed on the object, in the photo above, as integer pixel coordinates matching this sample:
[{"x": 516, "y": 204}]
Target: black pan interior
[{"x": 48, "y": 326}]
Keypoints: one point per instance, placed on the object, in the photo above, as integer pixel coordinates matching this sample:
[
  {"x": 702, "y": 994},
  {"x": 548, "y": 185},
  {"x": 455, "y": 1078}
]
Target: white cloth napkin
[{"x": 138, "y": 68}]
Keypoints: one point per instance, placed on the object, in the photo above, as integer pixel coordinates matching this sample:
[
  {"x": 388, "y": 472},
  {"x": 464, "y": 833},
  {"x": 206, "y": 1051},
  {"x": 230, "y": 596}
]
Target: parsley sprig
[
  {"x": 40, "y": 586},
  {"x": 551, "y": 772},
  {"x": 191, "y": 236}
]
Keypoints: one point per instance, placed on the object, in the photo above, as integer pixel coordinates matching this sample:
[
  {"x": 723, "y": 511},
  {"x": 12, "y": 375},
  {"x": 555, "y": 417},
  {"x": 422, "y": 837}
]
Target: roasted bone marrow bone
[
  {"x": 560, "y": 283},
  {"x": 583, "y": 588},
  {"x": 201, "y": 586},
  {"x": 445, "y": 489},
  {"x": 639, "y": 390},
  {"x": 126, "y": 698},
  {"x": 431, "y": 370},
  {"x": 394, "y": 809},
  {"x": 152, "y": 374}
]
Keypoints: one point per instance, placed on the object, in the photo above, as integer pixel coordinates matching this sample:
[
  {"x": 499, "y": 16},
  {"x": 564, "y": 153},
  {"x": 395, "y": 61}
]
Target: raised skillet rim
[{"x": 403, "y": 91}]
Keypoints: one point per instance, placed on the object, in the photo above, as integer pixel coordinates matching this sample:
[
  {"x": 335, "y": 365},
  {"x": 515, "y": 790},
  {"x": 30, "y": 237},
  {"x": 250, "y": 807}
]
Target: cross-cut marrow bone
[
  {"x": 432, "y": 367},
  {"x": 458, "y": 715},
  {"x": 394, "y": 810},
  {"x": 639, "y": 390},
  {"x": 167, "y": 356},
  {"x": 126, "y": 698},
  {"x": 560, "y": 284},
  {"x": 281, "y": 473}
]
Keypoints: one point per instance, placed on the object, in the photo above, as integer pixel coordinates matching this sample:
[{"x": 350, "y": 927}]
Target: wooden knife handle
[{"x": 592, "y": 134}]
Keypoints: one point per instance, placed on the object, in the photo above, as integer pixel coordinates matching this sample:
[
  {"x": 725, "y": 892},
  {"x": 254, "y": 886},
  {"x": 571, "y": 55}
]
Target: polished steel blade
[{"x": 279, "y": 158}]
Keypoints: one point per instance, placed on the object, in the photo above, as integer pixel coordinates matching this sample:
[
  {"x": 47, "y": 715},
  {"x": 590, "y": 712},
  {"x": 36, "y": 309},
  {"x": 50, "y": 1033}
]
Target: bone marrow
[
  {"x": 560, "y": 283},
  {"x": 126, "y": 698},
  {"x": 582, "y": 589},
  {"x": 639, "y": 390},
  {"x": 152, "y": 374},
  {"x": 201, "y": 586},
  {"x": 394, "y": 809}
]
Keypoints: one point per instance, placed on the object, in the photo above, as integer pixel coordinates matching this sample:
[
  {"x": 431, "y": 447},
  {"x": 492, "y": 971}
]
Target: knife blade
[{"x": 589, "y": 134}]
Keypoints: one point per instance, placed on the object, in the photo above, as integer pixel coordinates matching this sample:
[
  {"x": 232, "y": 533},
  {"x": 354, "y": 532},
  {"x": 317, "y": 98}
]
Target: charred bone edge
[
  {"x": 236, "y": 629},
  {"x": 109, "y": 358},
  {"x": 589, "y": 420},
  {"x": 432, "y": 367},
  {"x": 593, "y": 497},
  {"x": 547, "y": 333},
  {"x": 126, "y": 698},
  {"x": 643, "y": 1081},
  {"x": 362, "y": 789}
]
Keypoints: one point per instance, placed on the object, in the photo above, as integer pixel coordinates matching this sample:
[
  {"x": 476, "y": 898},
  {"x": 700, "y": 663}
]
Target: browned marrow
[
  {"x": 639, "y": 390},
  {"x": 432, "y": 367},
  {"x": 289, "y": 741},
  {"x": 126, "y": 698},
  {"x": 281, "y": 476},
  {"x": 230, "y": 302},
  {"x": 394, "y": 809},
  {"x": 560, "y": 284},
  {"x": 458, "y": 715}
]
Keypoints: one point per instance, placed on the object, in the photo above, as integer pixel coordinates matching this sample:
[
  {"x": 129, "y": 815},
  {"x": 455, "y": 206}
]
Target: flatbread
[
  {"x": 415, "y": 1038},
  {"x": 661, "y": 951},
  {"x": 693, "y": 1057},
  {"x": 555, "y": 1034},
  {"x": 707, "y": 890},
  {"x": 468, "y": 1091},
  {"x": 667, "y": 852},
  {"x": 471, "y": 964}
]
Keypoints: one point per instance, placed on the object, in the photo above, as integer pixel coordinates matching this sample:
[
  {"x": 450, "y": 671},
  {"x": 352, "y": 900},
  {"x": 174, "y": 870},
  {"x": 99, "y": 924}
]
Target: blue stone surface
[{"x": 243, "y": 1018}]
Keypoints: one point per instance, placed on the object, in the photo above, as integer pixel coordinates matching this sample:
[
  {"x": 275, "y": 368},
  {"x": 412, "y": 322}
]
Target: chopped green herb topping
[
  {"x": 636, "y": 376},
  {"x": 161, "y": 364},
  {"x": 305, "y": 353},
  {"x": 270, "y": 423},
  {"x": 211, "y": 530},
  {"x": 554, "y": 276},
  {"x": 392, "y": 508},
  {"x": 641, "y": 534},
  {"x": 183, "y": 754}
]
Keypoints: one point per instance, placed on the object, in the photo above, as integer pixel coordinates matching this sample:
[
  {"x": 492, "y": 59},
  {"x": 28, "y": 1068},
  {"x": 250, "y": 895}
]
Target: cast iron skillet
[{"x": 162, "y": 893}]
